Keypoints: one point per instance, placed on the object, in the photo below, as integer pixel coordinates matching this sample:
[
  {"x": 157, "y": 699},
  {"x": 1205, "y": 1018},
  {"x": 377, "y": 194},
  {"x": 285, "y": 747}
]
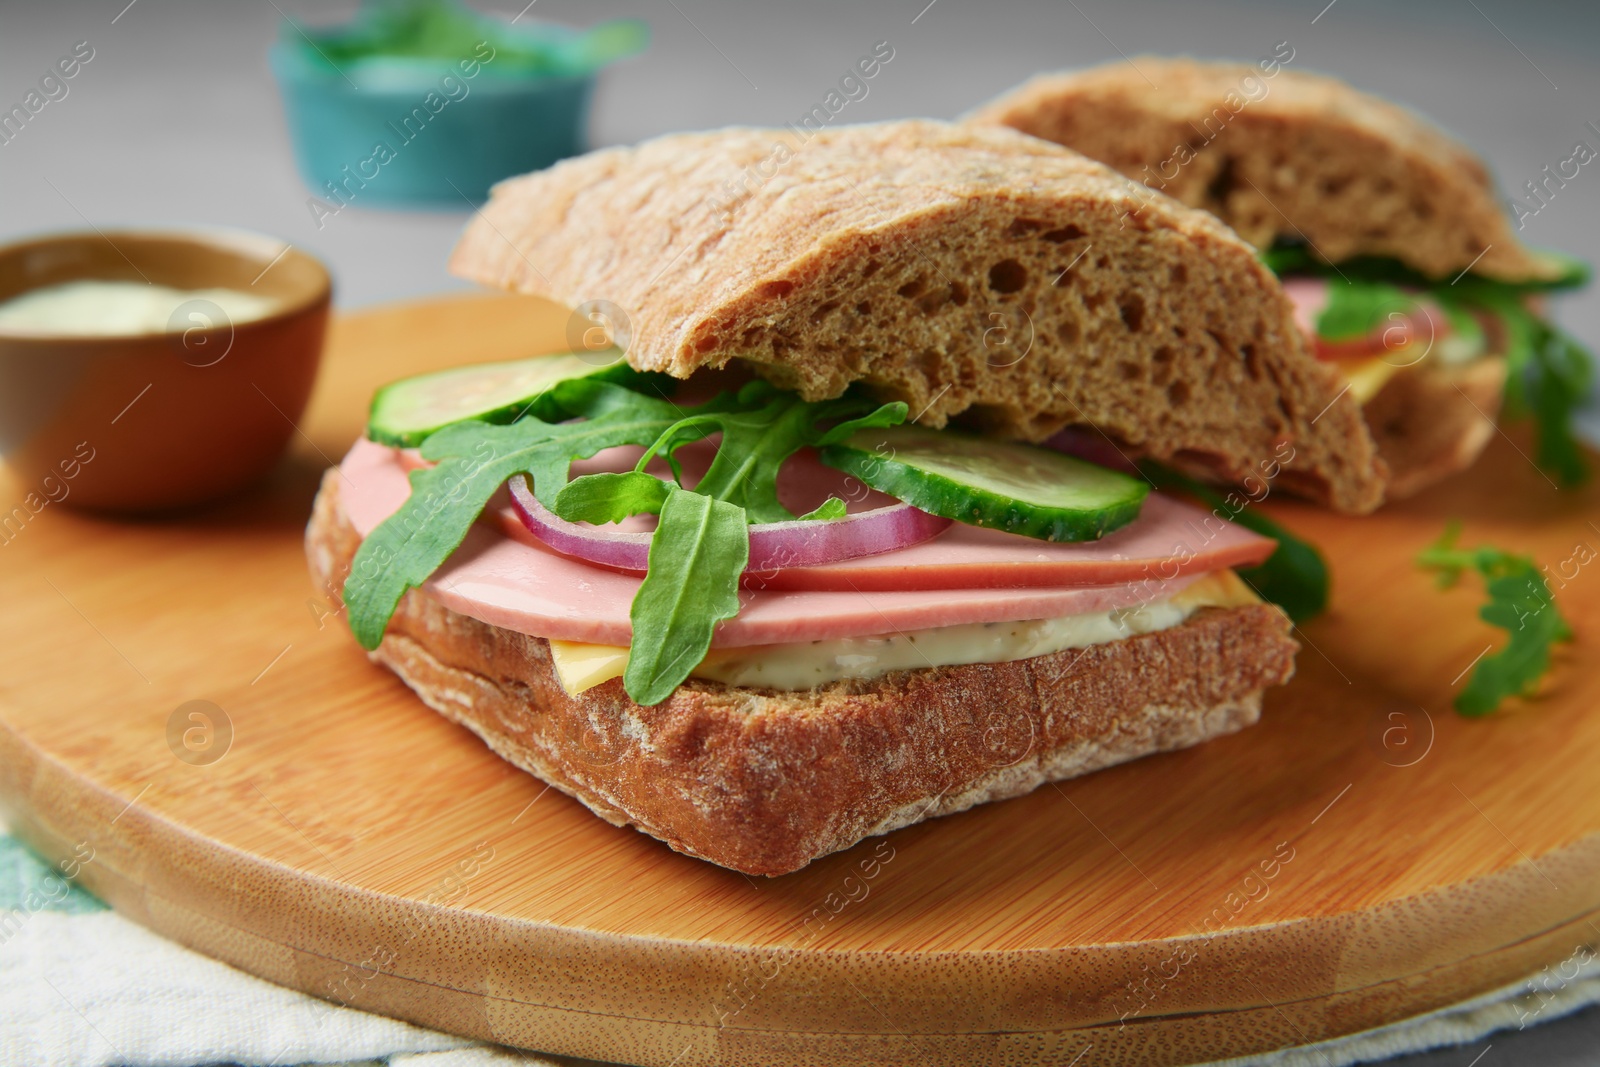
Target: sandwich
[
  {"x": 1407, "y": 275},
  {"x": 791, "y": 556}
]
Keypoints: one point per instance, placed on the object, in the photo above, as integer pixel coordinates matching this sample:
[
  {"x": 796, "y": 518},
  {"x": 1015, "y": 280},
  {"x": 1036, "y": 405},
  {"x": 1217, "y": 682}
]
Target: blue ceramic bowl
[{"x": 403, "y": 131}]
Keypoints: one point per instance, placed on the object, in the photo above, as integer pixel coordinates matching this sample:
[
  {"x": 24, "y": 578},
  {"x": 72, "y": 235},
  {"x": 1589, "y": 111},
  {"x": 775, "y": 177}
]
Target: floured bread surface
[
  {"x": 972, "y": 272},
  {"x": 764, "y": 781},
  {"x": 1296, "y": 155}
]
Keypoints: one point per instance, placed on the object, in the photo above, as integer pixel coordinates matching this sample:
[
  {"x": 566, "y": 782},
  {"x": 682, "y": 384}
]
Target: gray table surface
[{"x": 176, "y": 121}]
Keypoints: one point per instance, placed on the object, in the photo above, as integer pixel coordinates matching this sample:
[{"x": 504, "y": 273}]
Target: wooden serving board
[{"x": 1360, "y": 856}]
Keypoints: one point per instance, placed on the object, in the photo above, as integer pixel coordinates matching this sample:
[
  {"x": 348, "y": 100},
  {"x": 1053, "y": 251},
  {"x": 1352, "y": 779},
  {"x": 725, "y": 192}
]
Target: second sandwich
[{"x": 1389, "y": 235}]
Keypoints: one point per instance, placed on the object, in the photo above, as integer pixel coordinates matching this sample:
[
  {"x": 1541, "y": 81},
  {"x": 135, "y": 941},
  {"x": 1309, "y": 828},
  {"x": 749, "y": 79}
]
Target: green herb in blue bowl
[{"x": 418, "y": 102}]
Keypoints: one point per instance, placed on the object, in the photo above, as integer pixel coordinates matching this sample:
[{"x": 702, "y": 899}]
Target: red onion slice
[{"x": 773, "y": 545}]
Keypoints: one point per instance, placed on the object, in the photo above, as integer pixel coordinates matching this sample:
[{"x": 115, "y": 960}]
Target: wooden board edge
[
  {"x": 1159, "y": 1041},
  {"x": 1361, "y": 995}
]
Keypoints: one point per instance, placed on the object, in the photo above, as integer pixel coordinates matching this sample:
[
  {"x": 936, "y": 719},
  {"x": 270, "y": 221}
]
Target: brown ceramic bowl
[{"x": 155, "y": 421}]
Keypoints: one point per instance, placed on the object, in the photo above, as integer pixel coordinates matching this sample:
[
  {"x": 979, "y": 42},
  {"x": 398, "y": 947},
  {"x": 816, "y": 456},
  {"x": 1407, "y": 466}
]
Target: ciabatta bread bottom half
[
  {"x": 1433, "y": 421},
  {"x": 764, "y": 781}
]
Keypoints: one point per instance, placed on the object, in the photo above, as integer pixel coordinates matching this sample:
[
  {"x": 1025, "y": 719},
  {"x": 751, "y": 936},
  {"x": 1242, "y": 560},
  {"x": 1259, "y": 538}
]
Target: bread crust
[
  {"x": 1296, "y": 155},
  {"x": 971, "y": 272},
  {"x": 1433, "y": 421},
  {"x": 764, "y": 782}
]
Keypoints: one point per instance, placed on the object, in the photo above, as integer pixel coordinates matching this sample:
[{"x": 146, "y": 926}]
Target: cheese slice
[
  {"x": 1367, "y": 377},
  {"x": 580, "y": 666},
  {"x": 800, "y": 666},
  {"x": 1219, "y": 589}
]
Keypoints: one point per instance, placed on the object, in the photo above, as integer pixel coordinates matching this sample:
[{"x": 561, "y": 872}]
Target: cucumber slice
[
  {"x": 404, "y": 413},
  {"x": 999, "y": 484}
]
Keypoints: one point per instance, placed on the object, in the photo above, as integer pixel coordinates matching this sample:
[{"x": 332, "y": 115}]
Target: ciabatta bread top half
[
  {"x": 970, "y": 271},
  {"x": 1276, "y": 152}
]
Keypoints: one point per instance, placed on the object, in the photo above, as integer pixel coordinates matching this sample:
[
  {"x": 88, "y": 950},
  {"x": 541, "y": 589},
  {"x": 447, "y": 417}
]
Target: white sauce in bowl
[{"x": 122, "y": 308}]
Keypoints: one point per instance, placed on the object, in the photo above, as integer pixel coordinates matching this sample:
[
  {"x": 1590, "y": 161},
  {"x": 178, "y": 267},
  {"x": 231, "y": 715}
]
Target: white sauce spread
[
  {"x": 805, "y": 664},
  {"x": 120, "y": 308},
  {"x": 801, "y": 666}
]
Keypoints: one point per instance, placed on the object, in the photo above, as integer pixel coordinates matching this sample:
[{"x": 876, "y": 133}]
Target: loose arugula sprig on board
[
  {"x": 1294, "y": 577},
  {"x": 1549, "y": 373},
  {"x": 1520, "y": 602},
  {"x": 700, "y": 547}
]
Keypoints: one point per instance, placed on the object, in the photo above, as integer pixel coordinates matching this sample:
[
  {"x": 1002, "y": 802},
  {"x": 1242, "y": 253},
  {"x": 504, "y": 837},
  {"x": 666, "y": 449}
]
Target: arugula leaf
[
  {"x": 759, "y": 439},
  {"x": 1285, "y": 257},
  {"x": 1549, "y": 374},
  {"x": 1359, "y": 307},
  {"x": 1291, "y": 257},
  {"x": 474, "y": 460},
  {"x": 1520, "y": 602},
  {"x": 761, "y": 427},
  {"x": 610, "y": 415},
  {"x": 754, "y": 446},
  {"x": 1294, "y": 577},
  {"x": 831, "y": 508},
  {"x": 888, "y": 415},
  {"x": 696, "y": 557},
  {"x": 1562, "y": 375},
  {"x": 694, "y": 569},
  {"x": 1575, "y": 273},
  {"x": 602, "y": 498}
]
